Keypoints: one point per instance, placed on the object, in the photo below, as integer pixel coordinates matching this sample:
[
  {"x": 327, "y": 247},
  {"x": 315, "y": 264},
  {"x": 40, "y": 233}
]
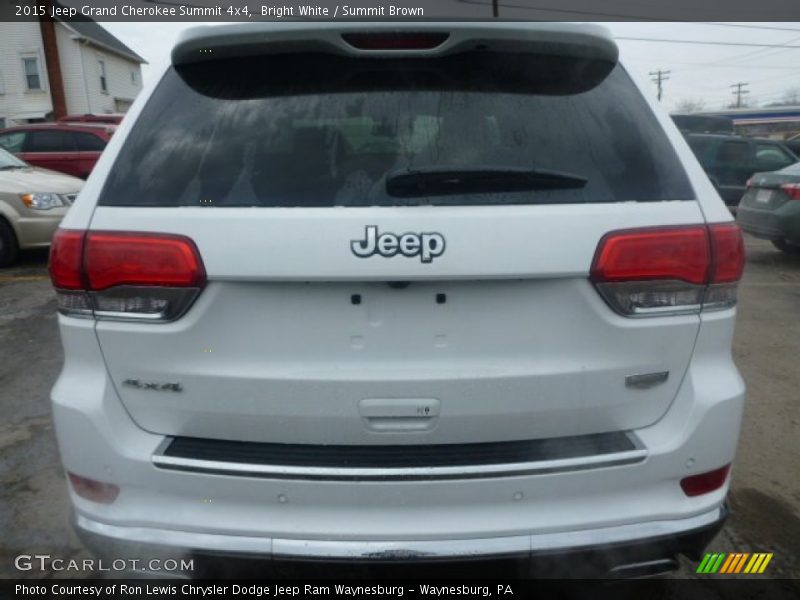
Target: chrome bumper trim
[
  {"x": 115, "y": 536},
  {"x": 271, "y": 471}
]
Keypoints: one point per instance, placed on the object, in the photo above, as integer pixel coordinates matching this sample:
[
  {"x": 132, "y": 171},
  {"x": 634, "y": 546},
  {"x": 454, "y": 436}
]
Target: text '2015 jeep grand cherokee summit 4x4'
[{"x": 381, "y": 293}]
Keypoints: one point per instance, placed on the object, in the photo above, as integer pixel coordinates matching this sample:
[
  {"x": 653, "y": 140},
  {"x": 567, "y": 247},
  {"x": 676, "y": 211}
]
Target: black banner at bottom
[{"x": 644, "y": 589}]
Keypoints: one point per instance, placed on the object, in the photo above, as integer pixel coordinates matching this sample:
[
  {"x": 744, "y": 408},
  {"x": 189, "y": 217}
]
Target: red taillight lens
[
  {"x": 96, "y": 491},
  {"x": 669, "y": 270},
  {"x": 680, "y": 254},
  {"x": 66, "y": 256},
  {"x": 396, "y": 40},
  {"x": 792, "y": 190},
  {"x": 141, "y": 259},
  {"x": 696, "y": 485},
  {"x": 122, "y": 275},
  {"x": 727, "y": 253}
]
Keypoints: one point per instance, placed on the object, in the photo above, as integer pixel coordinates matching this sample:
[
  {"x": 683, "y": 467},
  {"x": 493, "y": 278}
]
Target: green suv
[{"x": 729, "y": 161}]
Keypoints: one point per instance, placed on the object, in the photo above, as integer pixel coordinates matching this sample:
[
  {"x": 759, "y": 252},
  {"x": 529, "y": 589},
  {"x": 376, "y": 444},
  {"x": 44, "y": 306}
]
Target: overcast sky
[{"x": 698, "y": 71}]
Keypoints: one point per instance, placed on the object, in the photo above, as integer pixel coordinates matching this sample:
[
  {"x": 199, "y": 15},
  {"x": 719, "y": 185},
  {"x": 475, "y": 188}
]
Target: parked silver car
[{"x": 32, "y": 203}]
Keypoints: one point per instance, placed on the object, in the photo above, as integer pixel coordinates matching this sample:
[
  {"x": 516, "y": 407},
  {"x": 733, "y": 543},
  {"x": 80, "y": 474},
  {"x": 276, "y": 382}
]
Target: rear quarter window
[{"x": 318, "y": 130}]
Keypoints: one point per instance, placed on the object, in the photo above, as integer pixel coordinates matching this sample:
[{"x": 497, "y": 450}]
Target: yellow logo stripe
[
  {"x": 765, "y": 563},
  {"x": 753, "y": 562},
  {"x": 760, "y": 558}
]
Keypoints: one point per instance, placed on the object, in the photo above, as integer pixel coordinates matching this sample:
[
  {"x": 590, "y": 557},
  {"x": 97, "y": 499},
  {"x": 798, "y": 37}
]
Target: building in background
[
  {"x": 49, "y": 69},
  {"x": 778, "y": 122}
]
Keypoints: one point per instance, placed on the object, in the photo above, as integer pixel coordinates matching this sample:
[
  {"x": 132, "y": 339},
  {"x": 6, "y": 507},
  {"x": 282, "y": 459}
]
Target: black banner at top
[{"x": 400, "y": 10}]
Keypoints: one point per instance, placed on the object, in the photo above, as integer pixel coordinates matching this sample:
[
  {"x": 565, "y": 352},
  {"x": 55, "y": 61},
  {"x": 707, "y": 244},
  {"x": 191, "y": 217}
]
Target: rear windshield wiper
[{"x": 443, "y": 181}]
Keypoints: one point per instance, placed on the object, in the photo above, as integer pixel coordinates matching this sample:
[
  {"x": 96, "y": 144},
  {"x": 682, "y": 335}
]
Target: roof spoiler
[{"x": 201, "y": 44}]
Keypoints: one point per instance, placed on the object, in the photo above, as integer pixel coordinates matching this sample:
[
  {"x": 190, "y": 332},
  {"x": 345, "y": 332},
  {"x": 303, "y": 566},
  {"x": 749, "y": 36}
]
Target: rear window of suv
[{"x": 324, "y": 130}]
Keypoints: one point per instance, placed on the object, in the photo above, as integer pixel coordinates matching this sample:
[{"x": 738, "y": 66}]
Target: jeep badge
[{"x": 425, "y": 245}]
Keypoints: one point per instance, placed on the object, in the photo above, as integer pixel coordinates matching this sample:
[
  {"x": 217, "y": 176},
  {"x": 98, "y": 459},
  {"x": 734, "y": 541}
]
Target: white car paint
[{"x": 524, "y": 348}]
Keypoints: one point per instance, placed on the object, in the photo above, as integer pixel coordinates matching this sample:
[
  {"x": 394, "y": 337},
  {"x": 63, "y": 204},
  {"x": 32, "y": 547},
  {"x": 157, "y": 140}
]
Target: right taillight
[
  {"x": 727, "y": 265},
  {"x": 125, "y": 275},
  {"x": 792, "y": 190},
  {"x": 669, "y": 270},
  {"x": 704, "y": 483}
]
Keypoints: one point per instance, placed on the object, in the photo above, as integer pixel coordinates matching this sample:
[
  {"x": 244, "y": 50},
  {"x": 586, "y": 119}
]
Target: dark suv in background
[{"x": 731, "y": 160}]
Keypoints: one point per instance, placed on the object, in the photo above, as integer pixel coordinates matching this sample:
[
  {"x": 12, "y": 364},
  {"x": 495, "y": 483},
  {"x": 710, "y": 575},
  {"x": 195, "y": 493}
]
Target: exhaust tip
[{"x": 643, "y": 569}]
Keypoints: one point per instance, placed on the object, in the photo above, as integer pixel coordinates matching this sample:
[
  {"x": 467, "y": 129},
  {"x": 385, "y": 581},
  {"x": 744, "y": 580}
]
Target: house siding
[
  {"x": 16, "y": 101},
  {"x": 84, "y": 92},
  {"x": 79, "y": 69},
  {"x": 69, "y": 53},
  {"x": 81, "y": 72}
]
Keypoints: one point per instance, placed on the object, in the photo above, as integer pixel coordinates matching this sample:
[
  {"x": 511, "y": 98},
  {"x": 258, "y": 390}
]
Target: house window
[
  {"x": 103, "y": 80},
  {"x": 133, "y": 77},
  {"x": 30, "y": 66}
]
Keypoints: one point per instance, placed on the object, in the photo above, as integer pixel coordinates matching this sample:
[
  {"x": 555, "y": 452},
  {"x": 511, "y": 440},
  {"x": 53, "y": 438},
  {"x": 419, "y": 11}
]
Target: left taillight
[
  {"x": 125, "y": 275},
  {"x": 91, "y": 489}
]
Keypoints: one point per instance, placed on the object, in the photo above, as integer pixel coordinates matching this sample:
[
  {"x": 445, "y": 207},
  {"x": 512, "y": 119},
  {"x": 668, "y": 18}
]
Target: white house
[{"x": 51, "y": 69}]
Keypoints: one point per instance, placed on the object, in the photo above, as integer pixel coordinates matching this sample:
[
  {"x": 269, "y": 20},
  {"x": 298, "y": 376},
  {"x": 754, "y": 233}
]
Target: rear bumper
[
  {"x": 782, "y": 223},
  {"x": 627, "y": 550},
  {"x": 623, "y": 507}
]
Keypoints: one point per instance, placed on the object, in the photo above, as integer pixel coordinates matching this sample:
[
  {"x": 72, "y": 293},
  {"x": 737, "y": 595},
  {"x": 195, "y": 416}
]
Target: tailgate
[{"x": 397, "y": 243}]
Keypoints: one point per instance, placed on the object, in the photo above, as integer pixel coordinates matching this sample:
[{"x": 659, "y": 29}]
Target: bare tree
[
  {"x": 690, "y": 105},
  {"x": 743, "y": 103},
  {"x": 791, "y": 97}
]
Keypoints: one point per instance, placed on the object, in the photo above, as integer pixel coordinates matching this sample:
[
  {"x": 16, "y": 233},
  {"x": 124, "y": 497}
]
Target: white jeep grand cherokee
[{"x": 399, "y": 293}]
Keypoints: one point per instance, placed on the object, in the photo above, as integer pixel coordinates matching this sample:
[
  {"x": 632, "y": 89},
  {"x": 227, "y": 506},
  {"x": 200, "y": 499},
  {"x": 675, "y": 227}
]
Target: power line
[
  {"x": 658, "y": 77},
  {"x": 759, "y": 53},
  {"x": 738, "y": 92},
  {"x": 703, "y": 42},
  {"x": 766, "y": 27},
  {"x": 702, "y": 65}
]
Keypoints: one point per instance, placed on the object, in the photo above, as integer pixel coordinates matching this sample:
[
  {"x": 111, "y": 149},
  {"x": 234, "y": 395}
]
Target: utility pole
[
  {"x": 658, "y": 77},
  {"x": 738, "y": 92},
  {"x": 52, "y": 61}
]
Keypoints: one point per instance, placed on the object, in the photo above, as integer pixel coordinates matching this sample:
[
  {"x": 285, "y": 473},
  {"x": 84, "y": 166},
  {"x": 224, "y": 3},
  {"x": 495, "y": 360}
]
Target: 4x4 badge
[
  {"x": 159, "y": 386},
  {"x": 425, "y": 245}
]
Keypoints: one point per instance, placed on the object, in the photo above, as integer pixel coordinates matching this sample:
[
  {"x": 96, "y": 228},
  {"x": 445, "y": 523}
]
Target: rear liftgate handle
[{"x": 396, "y": 415}]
